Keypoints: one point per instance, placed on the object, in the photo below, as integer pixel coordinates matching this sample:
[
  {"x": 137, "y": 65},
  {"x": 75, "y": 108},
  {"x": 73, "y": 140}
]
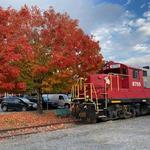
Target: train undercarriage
[{"x": 88, "y": 112}]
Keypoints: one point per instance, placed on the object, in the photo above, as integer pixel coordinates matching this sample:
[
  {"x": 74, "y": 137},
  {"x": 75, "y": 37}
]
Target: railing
[
  {"x": 111, "y": 75},
  {"x": 85, "y": 91}
]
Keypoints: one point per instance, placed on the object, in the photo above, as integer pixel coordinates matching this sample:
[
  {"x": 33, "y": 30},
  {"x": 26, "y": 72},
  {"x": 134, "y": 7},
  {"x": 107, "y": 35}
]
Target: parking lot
[{"x": 130, "y": 134}]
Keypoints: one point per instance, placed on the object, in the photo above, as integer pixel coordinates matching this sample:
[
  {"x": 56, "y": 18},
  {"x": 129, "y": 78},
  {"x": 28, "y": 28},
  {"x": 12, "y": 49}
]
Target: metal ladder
[{"x": 85, "y": 91}]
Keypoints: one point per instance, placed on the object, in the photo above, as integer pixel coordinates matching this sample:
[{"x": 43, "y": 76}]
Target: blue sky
[{"x": 121, "y": 26}]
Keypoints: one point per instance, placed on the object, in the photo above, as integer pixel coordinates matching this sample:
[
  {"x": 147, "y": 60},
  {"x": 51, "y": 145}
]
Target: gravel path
[{"x": 131, "y": 134}]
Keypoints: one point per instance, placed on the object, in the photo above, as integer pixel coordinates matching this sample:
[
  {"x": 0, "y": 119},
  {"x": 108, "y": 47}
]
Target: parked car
[
  {"x": 1, "y": 99},
  {"x": 56, "y": 100},
  {"x": 17, "y": 103},
  {"x": 31, "y": 98}
]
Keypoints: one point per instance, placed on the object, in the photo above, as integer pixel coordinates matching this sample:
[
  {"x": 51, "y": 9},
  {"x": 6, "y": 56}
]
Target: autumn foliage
[
  {"x": 43, "y": 49},
  {"x": 24, "y": 119},
  {"x": 12, "y": 44}
]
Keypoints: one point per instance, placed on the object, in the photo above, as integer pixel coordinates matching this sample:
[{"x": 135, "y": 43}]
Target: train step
[
  {"x": 102, "y": 116},
  {"x": 100, "y": 110}
]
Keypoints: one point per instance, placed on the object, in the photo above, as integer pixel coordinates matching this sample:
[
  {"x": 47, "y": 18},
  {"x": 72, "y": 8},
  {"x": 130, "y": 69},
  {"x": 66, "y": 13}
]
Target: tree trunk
[{"x": 39, "y": 101}]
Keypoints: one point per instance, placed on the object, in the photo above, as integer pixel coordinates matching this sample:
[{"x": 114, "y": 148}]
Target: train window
[
  {"x": 144, "y": 73},
  {"x": 135, "y": 74},
  {"x": 114, "y": 70},
  {"x": 124, "y": 71}
]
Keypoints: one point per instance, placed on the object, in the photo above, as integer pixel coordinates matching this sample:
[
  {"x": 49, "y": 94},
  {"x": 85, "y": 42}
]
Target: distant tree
[{"x": 44, "y": 48}]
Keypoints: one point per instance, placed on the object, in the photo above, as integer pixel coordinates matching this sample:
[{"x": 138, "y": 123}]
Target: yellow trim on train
[{"x": 115, "y": 101}]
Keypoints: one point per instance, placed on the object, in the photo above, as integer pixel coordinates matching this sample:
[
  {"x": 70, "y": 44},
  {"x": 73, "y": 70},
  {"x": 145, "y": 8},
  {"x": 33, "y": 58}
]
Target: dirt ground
[{"x": 10, "y": 120}]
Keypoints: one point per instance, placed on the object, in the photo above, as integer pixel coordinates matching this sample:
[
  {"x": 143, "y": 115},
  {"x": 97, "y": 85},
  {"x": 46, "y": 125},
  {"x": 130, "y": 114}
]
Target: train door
[{"x": 124, "y": 78}]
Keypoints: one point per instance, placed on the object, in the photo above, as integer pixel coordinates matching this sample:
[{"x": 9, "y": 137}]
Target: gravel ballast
[{"x": 130, "y": 134}]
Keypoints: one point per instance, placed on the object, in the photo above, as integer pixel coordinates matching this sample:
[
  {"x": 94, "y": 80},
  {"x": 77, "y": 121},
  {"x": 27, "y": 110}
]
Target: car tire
[
  {"x": 24, "y": 108},
  {"x": 55, "y": 105},
  {"x": 67, "y": 106},
  {"x": 4, "y": 108}
]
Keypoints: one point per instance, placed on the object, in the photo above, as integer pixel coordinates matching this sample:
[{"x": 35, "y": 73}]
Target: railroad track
[{"x": 6, "y": 133}]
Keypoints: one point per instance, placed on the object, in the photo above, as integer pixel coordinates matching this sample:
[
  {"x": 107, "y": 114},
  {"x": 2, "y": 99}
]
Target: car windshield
[
  {"x": 66, "y": 98},
  {"x": 69, "y": 96},
  {"x": 25, "y": 100}
]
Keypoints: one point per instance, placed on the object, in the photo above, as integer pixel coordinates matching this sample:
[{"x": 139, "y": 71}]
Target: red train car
[{"x": 117, "y": 91}]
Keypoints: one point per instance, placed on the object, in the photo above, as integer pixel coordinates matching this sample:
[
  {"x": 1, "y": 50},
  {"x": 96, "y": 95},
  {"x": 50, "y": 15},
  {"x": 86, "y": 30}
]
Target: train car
[{"x": 117, "y": 91}]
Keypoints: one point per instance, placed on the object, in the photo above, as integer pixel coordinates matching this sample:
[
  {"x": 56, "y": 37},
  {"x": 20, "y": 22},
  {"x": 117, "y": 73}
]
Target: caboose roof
[{"x": 121, "y": 65}]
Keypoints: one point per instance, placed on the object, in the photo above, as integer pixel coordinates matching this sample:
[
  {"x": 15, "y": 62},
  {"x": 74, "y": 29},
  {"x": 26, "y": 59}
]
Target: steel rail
[{"x": 36, "y": 127}]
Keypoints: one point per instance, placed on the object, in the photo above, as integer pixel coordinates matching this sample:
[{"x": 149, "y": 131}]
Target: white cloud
[
  {"x": 143, "y": 5},
  {"x": 89, "y": 14},
  {"x": 113, "y": 38},
  {"x": 138, "y": 61},
  {"x": 128, "y": 2},
  {"x": 128, "y": 38},
  {"x": 122, "y": 29},
  {"x": 145, "y": 29},
  {"x": 142, "y": 48},
  {"x": 142, "y": 24},
  {"x": 147, "y": 14},
  {"x": 120, "y": 32},
  {"x": 110, "y": 58}
]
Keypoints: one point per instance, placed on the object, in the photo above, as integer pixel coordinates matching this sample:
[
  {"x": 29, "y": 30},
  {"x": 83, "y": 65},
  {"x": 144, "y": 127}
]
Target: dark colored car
[
  {"x": 1, "y": 99},
  {"x": 45, "y": 103},
  {"x": 17, "y": 103},
  {"x": 31, "y": 98}
]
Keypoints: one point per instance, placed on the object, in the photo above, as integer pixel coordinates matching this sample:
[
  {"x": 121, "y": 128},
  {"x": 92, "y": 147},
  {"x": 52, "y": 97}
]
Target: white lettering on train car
[{"x": 136, "y": 84}]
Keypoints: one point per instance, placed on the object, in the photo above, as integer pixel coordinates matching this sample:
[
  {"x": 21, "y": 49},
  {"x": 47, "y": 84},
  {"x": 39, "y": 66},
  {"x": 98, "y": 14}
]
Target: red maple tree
[
  {"x": 12, "y": 44},
  {"x": 37, "y": 45}
]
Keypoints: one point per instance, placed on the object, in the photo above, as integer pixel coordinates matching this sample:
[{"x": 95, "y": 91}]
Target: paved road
[{"x": 131, "y": 134}]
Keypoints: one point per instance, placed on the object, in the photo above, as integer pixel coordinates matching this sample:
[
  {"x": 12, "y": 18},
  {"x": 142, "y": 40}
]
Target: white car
[{"x": 57, "y": 100}]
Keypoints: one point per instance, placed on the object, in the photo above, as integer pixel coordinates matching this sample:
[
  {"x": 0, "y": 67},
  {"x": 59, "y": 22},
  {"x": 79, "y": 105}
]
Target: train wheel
[
  {"x": 144, "y": 109},
  {"x": 91, "y": 119},
  {"x": 113, "y": 112},
  {"x": 126, "y": 112},
  {"x": 104, "y": 119},
  {"x": 137, "y": 110},
  {"x": 112, "y": 115},
  {"x": 133, "y": 112},
  {"x": 75, "y": 110},
  {"x": 91, "y": 114},
  {"x": 127, "y": 115}
]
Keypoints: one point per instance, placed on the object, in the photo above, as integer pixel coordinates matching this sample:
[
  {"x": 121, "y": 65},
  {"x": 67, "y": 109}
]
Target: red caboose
[{"x": 117, "y": 91}]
